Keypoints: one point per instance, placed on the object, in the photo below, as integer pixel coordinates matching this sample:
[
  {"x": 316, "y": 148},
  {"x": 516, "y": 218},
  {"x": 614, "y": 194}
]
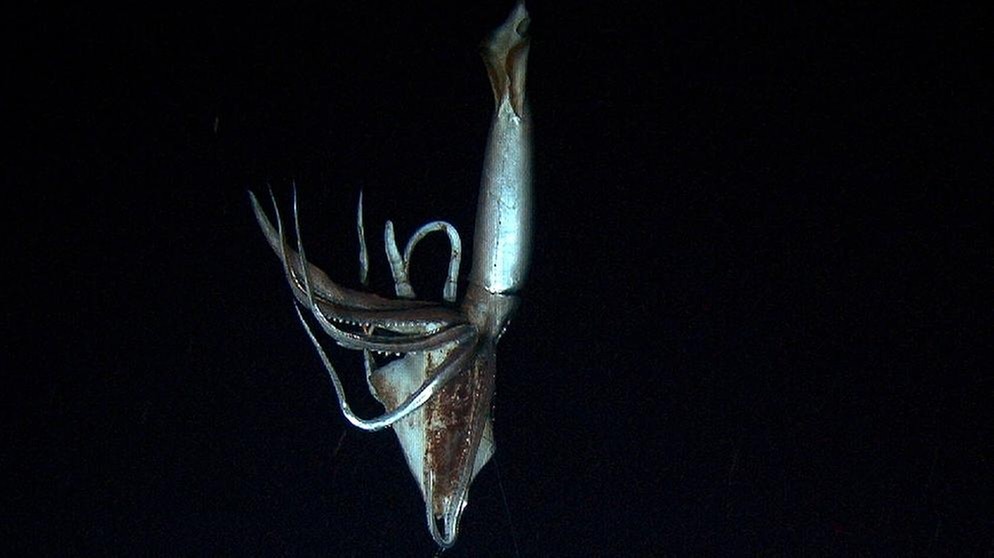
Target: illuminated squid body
[{"x": 438, "y": 393}]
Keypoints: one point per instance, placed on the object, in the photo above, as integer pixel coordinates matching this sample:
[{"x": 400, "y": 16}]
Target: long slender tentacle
[
  {"x": 346, "y": 305},
  {"x": 422, "y": 318},
  {"x": 367, "y": 355},
  {"x": 363, "y": 253},
  {"x": 455, "y": 363},
  {"x": 369, "y": 363},
  {"x": 406, "y": 343},
  {"x": 400, "y": 344},
  {"x": 450, "y": 367},
  {"x": 326, "y": 290}
]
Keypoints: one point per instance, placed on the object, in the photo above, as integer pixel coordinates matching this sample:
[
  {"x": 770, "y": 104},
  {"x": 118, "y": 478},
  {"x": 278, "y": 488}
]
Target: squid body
[{"x": 438, "y": 392}]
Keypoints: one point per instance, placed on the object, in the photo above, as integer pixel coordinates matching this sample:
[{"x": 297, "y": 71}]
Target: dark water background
[{"x": 755, "y": 323}]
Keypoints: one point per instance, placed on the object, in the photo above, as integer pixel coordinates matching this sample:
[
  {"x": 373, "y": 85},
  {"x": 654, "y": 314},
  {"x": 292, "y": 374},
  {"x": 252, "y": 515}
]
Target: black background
[{"x": 754, "y": 322}]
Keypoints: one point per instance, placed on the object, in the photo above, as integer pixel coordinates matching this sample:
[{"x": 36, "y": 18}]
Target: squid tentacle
[
  {"x": 400, "y": 267},
  {"x": 444, "y": 384},
  {"x": 368, "y": 362},
  {"x": 425, "y": 318},
  {"x": 455, "y": 254},
  {"x": 345, "y": 305},
  {"x": 450, "y": 367},
  {"x": 410, "y": 343},
  {"x": 406, "y": 343},
  {"x": 363, "y": 252},
  {"x": 326, "y": 290}
]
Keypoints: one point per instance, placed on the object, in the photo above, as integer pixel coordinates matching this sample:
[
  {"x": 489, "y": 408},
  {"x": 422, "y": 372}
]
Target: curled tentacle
[
  {"x": 325, "y": 289},
  {"x": 426, "y": 341},
  {"x": 346, "y": 305},
  {"x": 400, "y": 267},
  {"x": 455, "y": 363},
  {"x": 455, "y": 254},
  {"x": 449, "y": 368}
]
